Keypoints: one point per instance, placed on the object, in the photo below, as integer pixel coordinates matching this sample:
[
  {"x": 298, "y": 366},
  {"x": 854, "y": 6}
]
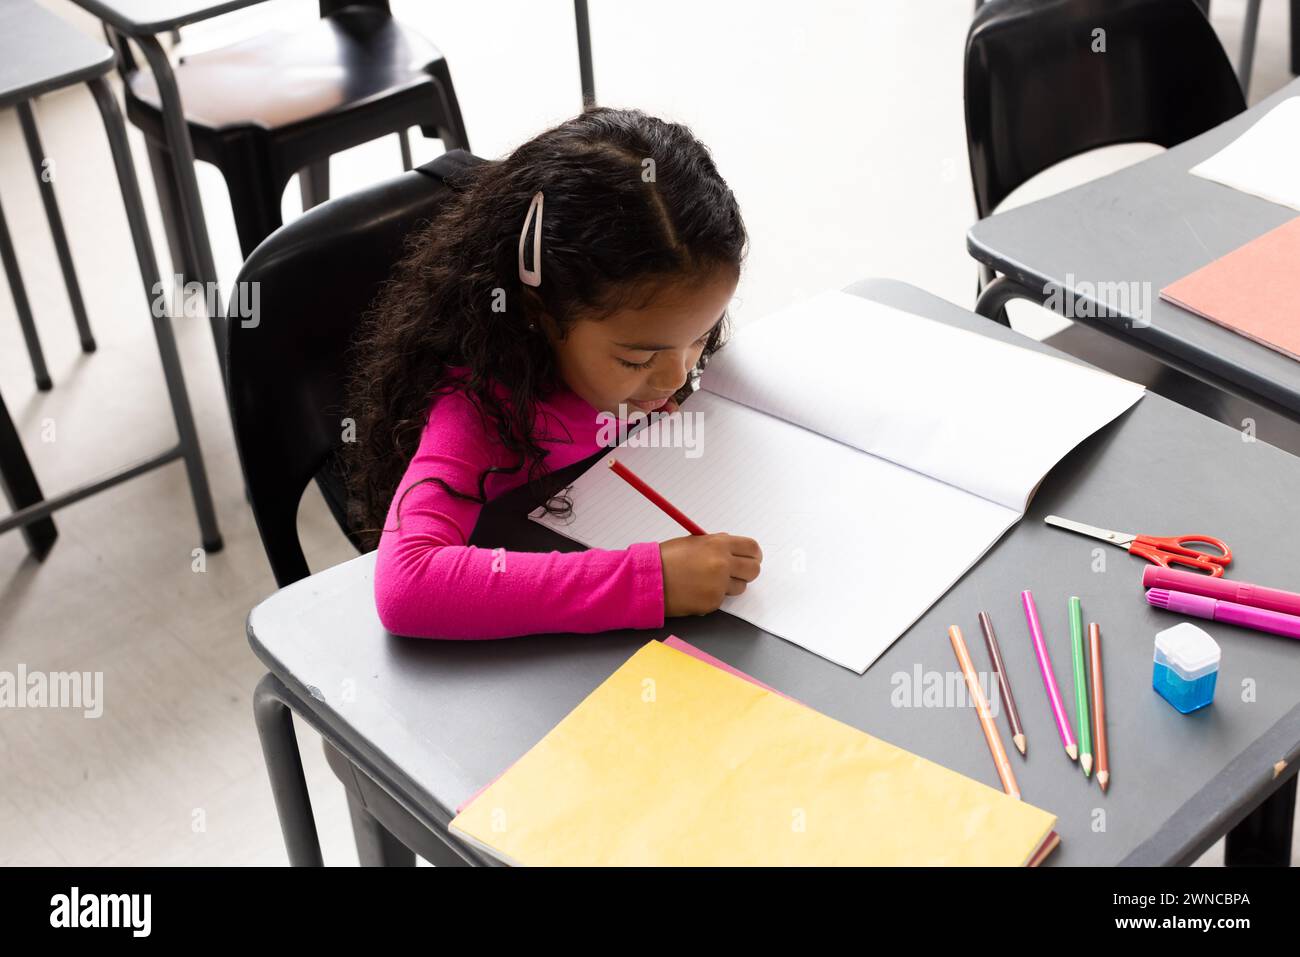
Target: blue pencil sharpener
[{"x": 1186, "y": 667}]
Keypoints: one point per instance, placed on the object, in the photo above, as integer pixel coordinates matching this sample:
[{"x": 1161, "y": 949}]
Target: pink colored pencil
[{"x": 1049, "y": 679}]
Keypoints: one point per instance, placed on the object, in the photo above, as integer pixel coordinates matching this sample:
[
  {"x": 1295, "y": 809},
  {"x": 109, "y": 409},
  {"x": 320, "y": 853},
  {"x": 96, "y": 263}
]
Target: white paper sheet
[
  {"x": 965, "y": 409},
  {"x": 838, "y": 409},
  {"x": 1264, "y": 161},
  {"x": 855, "y": 548}
]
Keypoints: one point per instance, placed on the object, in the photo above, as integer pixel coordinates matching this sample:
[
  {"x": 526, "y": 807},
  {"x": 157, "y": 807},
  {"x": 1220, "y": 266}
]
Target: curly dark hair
[{"x": 631, "y": 202}]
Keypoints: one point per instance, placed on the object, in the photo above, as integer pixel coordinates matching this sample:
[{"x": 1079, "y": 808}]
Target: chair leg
[
  {"x": 21, "y": 488},
  {"x": 27, "y": 119},
  {"x": 314, "y": 183},
  {"x": 404, "y": 140},
  {"x": 255, "y": 201},
  {"x": 24, "y": 309},
  {"x": 376, "y": 845},
  {"x": 1249, "y": 33},
  {"x": 449, "y": 126},
  {"x": 1295, "y": 37}
]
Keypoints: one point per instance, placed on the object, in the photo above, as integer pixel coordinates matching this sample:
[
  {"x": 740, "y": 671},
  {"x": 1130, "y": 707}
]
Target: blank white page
[
  {"x": 986, "y": 416},
  {"x": 855, "y": 548},
  {"x": 1264, "y": 161}
]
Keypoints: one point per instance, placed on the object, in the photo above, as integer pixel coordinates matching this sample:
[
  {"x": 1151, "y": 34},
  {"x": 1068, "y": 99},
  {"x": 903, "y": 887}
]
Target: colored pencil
[
  {"x": 1080, "y": 686},
  {"x": 1049, "y": 679},
  {"x": 1004, "y": 681},
  {"x": 1005, "y": 774},
  {"x": 1099, "y": 706},
  {"x": 627, "y": 475}
]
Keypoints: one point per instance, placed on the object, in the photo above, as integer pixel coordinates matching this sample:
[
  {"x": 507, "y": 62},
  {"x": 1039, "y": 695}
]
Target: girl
[{"x": 588, "y": 272}]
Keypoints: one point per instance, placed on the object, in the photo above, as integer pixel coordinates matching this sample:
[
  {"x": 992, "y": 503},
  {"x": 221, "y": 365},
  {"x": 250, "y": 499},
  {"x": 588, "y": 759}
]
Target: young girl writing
[{"x": 586, "y": 274}]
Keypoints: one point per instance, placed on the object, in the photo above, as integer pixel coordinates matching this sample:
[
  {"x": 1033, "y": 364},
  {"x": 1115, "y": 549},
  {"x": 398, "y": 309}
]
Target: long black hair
[{"x": 631, "y": 202}]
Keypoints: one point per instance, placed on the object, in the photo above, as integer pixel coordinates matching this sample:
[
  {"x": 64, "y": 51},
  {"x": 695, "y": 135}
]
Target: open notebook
[
  {"x": 873, "y": 454},
  {"x": 674, "y": 760}
]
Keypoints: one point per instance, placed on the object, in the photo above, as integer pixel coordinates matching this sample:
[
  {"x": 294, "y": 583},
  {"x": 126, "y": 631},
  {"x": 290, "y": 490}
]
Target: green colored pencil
[{"x": 1080, "y": 686}]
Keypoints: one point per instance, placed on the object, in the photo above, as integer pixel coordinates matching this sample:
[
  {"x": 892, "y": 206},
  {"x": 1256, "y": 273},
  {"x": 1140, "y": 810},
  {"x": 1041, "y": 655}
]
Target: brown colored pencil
[
  {"x": 1098, "y": 706},
  {"x": 1004, "y": 681}
]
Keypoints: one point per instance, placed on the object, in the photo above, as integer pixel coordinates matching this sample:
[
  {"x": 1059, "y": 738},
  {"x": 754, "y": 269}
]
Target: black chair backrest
[
  {"x": 316, "y": 278},
  {"x": 1040, "y": 90}
]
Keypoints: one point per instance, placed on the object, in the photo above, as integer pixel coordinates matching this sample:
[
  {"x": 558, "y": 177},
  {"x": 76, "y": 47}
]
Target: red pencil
[{"x": 630, "y": 477}]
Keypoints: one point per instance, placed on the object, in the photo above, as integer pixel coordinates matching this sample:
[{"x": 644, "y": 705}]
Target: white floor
[{"x": 843, "y": 115}]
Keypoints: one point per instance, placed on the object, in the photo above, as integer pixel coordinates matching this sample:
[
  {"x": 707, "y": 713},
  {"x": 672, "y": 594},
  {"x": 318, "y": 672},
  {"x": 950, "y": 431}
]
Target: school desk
[
  {"x": 433, "y": 721},
  {"x": 1150, "y": 223},
  {"x": 39, "y": 53}
]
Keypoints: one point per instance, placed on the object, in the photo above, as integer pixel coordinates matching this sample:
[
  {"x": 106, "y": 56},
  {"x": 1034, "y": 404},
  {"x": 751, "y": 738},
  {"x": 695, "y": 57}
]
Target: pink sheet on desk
[{"x": 1253, "y": 290}]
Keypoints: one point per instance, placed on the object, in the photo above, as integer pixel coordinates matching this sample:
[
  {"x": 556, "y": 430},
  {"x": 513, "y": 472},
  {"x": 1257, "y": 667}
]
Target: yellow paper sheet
[{"x": 672, "y": 761}]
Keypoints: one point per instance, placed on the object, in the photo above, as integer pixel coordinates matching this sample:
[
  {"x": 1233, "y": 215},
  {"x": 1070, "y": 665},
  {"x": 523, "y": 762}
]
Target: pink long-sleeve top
[{"x": 429, "y": 583}]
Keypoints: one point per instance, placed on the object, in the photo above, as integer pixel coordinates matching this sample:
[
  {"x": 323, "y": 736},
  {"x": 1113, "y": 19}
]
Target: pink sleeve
[{"x": 430, "y": 584}]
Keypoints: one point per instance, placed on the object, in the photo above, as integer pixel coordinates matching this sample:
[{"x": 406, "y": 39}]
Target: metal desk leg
[
  {"x": 376, "y": 845},
  {"x": 153, "y": 286},
  {"x": 19, "y": 482},
  {"x": 23, "y": 307},
  {"x": 27, "y": 119},
  {"x": 997, "y": 294},
  {"x": 585, "y": 71},
  {"x": 1263, "y": 839},
  {"x": 274, "y": 719},
  {"x": 181, "y": 153}
]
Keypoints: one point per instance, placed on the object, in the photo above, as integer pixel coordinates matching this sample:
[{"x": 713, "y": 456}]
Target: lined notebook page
[{"x": 855, "y": 548}]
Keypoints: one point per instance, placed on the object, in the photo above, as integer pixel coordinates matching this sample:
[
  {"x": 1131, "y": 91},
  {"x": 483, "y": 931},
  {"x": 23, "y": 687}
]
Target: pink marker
[
  {"x": 1244, "y": 593},
  {"x": 1229, "y": 612},
  {"x": 1049, "y": 679}
]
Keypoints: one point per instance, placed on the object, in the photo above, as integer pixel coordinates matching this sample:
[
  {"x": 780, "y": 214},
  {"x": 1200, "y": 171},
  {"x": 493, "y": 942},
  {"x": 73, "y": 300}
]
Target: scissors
[{"x": 1165, "y": 552}]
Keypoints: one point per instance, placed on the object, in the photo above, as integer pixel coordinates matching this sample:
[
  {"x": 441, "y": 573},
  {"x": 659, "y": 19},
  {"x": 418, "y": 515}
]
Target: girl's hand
[{"x": 701, "y": 570}]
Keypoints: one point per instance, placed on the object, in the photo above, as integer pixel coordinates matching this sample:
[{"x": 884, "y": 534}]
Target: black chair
[
  {"x": 287, "y": 380},
  {"x": 282, "y": 102},
  {"x": 1037, "y": 93}
]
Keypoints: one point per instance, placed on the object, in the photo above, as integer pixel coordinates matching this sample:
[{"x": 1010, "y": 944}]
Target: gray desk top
[
  {"x": 40, "y": 53},
  {"x": 148, "y": 17},
  {"x": 1152, "y": 222},
  {"x": 445, "y": 717}
]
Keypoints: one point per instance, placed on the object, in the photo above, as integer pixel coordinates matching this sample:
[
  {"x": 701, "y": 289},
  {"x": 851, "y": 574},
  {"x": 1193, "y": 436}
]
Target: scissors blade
[{"x": 1122, "y": 539}]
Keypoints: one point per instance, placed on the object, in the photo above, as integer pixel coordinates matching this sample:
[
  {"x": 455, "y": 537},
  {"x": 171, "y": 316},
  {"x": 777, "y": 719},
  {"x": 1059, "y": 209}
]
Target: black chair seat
[
  {"x": 284, "y": 77},
  {"x": 288, "y": 82},
  {"x": 283, "y": 102}
]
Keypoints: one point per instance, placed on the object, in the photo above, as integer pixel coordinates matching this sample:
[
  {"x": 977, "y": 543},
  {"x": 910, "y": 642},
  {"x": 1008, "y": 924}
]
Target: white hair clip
[{"x": 532, "y": 277}]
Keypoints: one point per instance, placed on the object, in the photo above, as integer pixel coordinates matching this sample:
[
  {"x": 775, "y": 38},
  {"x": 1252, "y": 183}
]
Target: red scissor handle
[{"x": 1173, "y": 550}]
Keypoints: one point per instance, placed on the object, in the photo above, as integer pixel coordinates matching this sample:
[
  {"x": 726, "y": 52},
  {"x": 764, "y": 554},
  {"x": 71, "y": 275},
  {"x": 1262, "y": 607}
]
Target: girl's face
[{"x": 638, "y": 358}]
